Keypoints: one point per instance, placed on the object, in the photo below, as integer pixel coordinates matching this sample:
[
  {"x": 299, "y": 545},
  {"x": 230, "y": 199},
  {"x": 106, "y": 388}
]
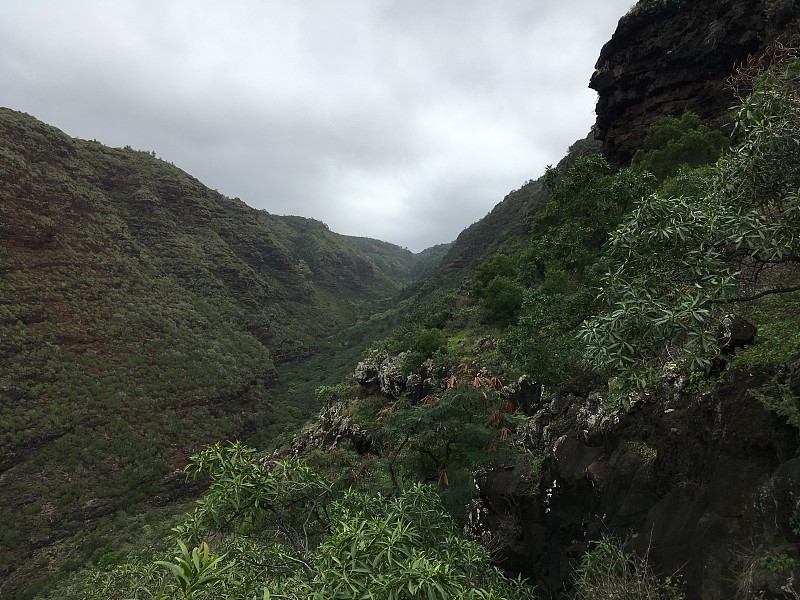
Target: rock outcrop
[
  {"x": 707, "y": 483},
  {"x": 670, "y": 56},
  {"x": 381, "y": 372},
  {"x": 333, "y": 426}
]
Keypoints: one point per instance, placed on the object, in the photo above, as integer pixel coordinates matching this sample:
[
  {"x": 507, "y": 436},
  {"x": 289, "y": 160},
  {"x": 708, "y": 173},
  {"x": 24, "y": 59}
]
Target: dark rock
[
  {"x": 524, "y": 395},
  {"x": 671, "y": 56},
  {"x": 573, "y": 457},
  {"x": 735, "y": 333},
  {"x": 333, "y": 426},
  {"x": 695, "y": 479}
]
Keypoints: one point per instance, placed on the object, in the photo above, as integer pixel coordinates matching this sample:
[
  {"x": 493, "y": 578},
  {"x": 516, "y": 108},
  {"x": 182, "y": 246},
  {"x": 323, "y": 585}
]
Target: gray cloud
[{"x": 401, "y": 120}]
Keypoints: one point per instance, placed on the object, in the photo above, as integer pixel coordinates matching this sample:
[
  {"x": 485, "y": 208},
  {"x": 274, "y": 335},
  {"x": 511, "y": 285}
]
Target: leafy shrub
[
  {"x": 404, "y": 548},
  {"x": 447, "y": 436},
  {"x": 678, "y": 265},
  {"x": 781, "y": 400},
  {"x": 281, "y": 538},
  {"x": 586, "y": 202},
  {"x": 542, "y": 343},
  {"x": 501, "y": 300},
  {"x": 429, "y": 341},
  {"x": 674, "y": 142},
  {"x": 327, "y": 394},
  {"x": 501, "y": 265}
]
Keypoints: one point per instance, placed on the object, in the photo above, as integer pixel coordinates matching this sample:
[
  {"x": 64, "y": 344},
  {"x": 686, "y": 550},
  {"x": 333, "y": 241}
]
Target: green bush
[
  {"x": 677, "y": 266},
  {"x": 429, "y": 341},
  {"x": 501, "y": 301},
  {"x": 275, "y": 534},
  {"x": 674, "y": 142},
  {"x": 402, "y": 548},
  {"x": 501, "y": 265}
]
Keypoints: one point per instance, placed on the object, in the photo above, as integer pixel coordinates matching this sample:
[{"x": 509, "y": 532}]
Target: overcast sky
[{"x": 403, "y": 120}]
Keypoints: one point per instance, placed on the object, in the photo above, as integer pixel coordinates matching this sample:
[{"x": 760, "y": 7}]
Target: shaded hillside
[
  {"x": 142, "y": 316},
  {"x": 400, "y": 263}
]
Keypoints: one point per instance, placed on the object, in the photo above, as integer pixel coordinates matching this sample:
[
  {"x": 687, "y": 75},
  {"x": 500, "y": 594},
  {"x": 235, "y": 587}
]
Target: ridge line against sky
[{"x": 404, "y": 121}]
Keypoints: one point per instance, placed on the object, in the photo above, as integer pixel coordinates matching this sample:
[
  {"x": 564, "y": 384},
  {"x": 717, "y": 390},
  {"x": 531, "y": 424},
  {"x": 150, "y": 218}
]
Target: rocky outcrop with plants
[
  {"x": 670, "y": 56},
  {"x": 702, "y": 479}
]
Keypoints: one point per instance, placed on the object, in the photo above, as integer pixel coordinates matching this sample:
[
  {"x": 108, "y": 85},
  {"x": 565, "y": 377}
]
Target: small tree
[
  {"x": 674, "y": 142},
  {"x": 403, "y": 548},
  {"x": 501, "y": 265},
  {"x": 501, "y": 300},
  {"x": 446, "y": 437}
]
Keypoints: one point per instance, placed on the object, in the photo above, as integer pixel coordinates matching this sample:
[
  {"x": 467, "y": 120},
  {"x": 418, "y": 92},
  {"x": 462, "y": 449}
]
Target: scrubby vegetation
[
  {"x": 679, "y": 264},
  {"x": 143, "y": 316},
  {"x": 622, "y": 274},
  {"x": 282, "y": 536}
]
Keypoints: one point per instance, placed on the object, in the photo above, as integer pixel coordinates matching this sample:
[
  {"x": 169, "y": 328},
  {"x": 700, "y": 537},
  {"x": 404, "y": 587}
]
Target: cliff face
[
  {"x": 670, "y": 56},
  {"x": 704, "y": 482}
]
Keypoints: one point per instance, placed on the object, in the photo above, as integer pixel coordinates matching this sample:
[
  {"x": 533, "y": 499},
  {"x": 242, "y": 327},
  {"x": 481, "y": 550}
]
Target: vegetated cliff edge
[
  {"x": 670, "y": 56},
  {"x": 707, "y": 481},
  {"x": 701, "y": 475}
]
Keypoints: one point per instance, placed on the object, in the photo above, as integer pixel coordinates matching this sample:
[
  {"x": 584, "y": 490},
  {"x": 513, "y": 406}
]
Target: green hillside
[
  {"x": 594, "y": 392},
  {"x": 142, "y": 316}
]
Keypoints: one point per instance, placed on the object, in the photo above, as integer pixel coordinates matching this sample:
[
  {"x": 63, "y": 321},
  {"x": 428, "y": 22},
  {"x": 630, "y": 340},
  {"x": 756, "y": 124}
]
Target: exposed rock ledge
[{"x": 707, "y": 482}]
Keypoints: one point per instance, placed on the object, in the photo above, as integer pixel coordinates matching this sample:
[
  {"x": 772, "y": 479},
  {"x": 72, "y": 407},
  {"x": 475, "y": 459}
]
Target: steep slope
[
  {"x": 670, "y": 56},
  {"x": 142, "y": 316},
  {"x": 505, "y": 229},
  {"x": 400, "y": 263}
]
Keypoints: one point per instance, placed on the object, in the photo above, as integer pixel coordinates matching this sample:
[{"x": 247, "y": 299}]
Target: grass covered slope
[{"x": 141, "y": 316}]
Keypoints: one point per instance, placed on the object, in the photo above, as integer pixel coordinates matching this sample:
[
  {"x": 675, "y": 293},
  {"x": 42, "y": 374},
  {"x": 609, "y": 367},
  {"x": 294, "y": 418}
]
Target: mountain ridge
[{"x": 139, "y": 306}]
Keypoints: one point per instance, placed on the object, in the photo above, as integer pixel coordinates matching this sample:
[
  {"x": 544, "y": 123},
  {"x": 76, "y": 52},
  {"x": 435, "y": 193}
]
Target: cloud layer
[{"x": 400, "y": 120}]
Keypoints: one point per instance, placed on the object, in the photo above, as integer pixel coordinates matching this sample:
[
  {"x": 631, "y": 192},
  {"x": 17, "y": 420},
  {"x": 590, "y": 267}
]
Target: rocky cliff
[
  {"x": 698, "y": 476},
  {"x": 705, "y": 482},
  {"x": 670, "y": 56}
]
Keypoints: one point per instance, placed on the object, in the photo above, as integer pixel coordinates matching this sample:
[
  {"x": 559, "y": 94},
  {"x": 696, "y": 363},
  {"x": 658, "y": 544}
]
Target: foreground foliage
[
  {"x": 274, "y": 531},
  {"x": 679, "y": 265}
]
